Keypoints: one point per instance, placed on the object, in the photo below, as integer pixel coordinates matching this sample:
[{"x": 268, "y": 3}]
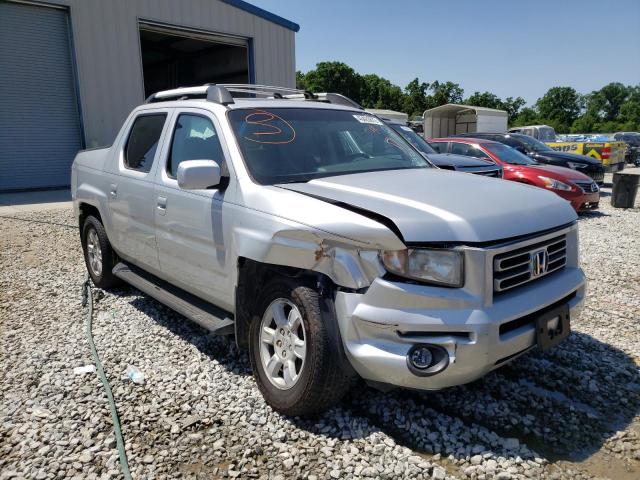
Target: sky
[{"x": 510, "y": 48}]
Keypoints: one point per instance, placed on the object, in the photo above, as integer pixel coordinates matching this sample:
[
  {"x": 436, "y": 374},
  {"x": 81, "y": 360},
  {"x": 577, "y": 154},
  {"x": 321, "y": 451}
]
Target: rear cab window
[{"x": 142, "y": 143}]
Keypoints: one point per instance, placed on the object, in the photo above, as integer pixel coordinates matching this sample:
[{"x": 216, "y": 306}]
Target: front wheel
[{"x": 296, "y": 351}]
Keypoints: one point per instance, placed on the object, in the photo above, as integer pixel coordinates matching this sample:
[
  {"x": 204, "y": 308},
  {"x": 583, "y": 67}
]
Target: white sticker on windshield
[{"x": 370, "y": 119}]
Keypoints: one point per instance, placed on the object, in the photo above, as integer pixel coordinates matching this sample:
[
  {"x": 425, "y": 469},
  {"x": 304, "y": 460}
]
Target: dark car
[
  {"x": 448, "y": 161},
  {"x": 542, "y": 153},
  {"x": 632, "y": 141}
]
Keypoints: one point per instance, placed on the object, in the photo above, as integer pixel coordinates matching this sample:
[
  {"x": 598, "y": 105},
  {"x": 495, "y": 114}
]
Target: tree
[
  {"x": 336, "y": 77},
  {"x": 378, "y": 92},
  {"x": 487, "y": 99},
  {"x": 443, "y": 93},
  {"x": 560, "y": 106},
  {"x": 607, "y": 101},
  {"x": 484, "y": 99},
  {"x": 615, "y": 107},
  {"x": 513, "y": 106},
  {"x": 300, "y": 82},
  {"x": 585, "y": 124},
  {"x": 415, "y": 102},
  {"x": 630, "y": 110},
  {"x": 527, "y": 116}
]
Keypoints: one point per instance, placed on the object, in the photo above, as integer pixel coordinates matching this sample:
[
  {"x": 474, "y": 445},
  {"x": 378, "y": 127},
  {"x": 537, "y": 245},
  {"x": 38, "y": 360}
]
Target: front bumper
[
  {"x": 581, "y": 201},
  {"x": 379, "y": 327}
]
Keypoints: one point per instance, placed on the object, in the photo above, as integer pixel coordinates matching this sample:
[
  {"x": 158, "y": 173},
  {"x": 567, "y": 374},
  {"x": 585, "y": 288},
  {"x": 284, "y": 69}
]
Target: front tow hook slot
[{"x": 425, "y": 359}]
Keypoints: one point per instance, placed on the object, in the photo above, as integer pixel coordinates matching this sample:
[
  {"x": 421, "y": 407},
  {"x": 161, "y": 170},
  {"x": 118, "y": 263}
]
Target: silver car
[{"x": 324, "y": 242}]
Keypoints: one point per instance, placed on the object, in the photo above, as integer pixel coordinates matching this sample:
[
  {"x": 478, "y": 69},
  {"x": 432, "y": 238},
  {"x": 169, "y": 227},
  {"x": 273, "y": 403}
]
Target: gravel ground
[{"x": 570, "y": 413}]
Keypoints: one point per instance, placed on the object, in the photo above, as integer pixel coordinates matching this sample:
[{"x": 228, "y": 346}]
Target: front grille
[
  {"x": 523, "y": 265},
  {"x": 594, "y": 171},
  {"x": 588, "y": 187}
]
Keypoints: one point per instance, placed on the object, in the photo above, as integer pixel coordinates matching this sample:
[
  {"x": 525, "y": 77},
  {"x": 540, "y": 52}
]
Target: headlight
[
  {"x": 577, "y": 166},
  {"x": 442, "y": 267},
  {"x": 554, "y": 184}
]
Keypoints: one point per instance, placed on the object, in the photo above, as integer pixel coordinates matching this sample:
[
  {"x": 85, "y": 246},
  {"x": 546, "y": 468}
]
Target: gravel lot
[{"x": 570, "y": 413}]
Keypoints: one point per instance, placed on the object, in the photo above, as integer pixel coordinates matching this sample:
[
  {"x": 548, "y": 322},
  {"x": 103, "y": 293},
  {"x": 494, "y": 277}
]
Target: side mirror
[{"x": 198, "y": 174}]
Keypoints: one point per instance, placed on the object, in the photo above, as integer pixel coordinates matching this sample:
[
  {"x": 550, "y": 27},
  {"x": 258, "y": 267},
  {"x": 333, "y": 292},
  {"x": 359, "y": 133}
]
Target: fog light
[
  {"x": 421, "y": 357},
  {"x": 425, "y": 360}
]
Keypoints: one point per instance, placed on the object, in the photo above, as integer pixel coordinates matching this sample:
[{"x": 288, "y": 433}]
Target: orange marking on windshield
[
  {"x": 391, "y": 142},
  {"x": 271, "y": 129}
]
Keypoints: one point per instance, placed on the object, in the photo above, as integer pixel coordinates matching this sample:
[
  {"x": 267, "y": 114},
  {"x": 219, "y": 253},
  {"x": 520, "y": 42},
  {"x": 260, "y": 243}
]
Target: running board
[{"x": 205, "y": 314}]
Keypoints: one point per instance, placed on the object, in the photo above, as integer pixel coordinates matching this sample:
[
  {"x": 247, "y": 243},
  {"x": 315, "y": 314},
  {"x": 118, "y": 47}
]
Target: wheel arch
[
  {"x": 252, "y": 275},
  {"x": 84, "y": 210}
]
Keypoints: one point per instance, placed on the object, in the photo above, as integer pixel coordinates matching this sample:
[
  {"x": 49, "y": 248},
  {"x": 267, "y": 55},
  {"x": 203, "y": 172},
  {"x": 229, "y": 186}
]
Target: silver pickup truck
[{"x": 327, "y": 244}]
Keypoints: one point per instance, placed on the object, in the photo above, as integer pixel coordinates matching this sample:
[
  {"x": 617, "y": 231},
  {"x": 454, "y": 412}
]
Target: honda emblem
[{"x": 539, "y": 260}]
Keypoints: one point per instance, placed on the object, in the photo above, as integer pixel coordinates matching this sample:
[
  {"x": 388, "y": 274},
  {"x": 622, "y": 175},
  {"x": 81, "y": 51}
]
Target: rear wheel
[
  {"x": 98, "y": 254},
  {"x": 296, "y": 351}
]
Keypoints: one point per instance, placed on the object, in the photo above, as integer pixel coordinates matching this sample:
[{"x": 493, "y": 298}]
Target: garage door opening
[{"x": 179, "y": 59}]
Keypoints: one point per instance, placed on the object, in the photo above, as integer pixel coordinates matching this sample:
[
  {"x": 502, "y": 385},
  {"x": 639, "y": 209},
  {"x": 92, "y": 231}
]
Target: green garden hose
[{"x": 87, "y": 301}]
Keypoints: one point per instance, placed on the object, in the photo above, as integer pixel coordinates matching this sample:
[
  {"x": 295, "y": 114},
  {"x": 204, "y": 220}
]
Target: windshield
[
  {"x": 508, "y": 154},
  {"x": 632, "y": 138},
  {"x": 547, "y": 134},
  {"x": 533, "y": 144},
  {"x": 284, "y": 145},
  {"x": 413, "y": 138}
]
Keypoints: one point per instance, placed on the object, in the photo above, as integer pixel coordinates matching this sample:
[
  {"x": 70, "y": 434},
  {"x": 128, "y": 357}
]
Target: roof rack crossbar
[
  {"x": 262, "y": 87},
  {"x": 268, "y": 89},
  {"x": 254, "y": 92},
  {"x": 338, "y": 99}
]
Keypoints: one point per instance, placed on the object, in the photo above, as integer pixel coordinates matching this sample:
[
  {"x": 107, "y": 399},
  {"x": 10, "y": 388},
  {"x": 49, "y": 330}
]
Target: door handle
[
  {"x": 162, "y": 205},
  {"x": 113, "y": 190}
]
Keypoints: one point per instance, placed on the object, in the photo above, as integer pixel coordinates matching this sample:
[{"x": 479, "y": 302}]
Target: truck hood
[
  {"x": 431, "y": 205},
  {"x": 569, "y": 157},
  {"x": 457, "y": 161}
]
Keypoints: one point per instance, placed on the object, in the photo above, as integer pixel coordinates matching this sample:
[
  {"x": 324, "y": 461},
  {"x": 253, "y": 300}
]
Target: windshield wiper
[{"x": 284, "y": 182}]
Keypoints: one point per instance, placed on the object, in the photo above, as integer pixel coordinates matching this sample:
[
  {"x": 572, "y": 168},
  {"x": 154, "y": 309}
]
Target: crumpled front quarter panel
[{"x": 276, "y": 226}]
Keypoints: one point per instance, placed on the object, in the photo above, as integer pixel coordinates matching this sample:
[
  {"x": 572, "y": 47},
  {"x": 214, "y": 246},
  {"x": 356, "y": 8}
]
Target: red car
[{"x": 577, "y": 188}]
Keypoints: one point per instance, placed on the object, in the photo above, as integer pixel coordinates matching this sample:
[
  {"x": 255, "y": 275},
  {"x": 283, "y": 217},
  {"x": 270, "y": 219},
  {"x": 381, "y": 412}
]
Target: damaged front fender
[
  {"x": 289, "y": 229},
  {"x": 352, "y": 266}
]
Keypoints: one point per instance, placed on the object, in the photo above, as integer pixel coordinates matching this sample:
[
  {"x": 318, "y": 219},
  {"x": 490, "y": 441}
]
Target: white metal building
[
  {"x": 391, "y": 115},
  {"x": 72, "y": 70},
  {"x": 451, "y": 119}
]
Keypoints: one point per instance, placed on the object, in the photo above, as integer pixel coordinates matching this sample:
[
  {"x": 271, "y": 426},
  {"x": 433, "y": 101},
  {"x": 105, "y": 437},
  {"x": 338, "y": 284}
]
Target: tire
[
  {"x": 100, "y": 261},
  {"x": 324, "y": 376}
]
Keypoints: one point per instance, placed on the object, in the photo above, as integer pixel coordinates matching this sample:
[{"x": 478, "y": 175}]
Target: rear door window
[
  {"x": 440, "y": 147},
  {"x": 467, "y": 150},
  {"x": 143, "y": 140},
  {"x": 512, "y": 142}
]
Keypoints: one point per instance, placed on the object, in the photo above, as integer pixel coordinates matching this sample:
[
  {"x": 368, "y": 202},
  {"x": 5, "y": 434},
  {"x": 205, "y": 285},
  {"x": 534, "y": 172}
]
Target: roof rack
[
  {"x": 213, "y": 93},
  {"x": 222, "y": 94}
]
